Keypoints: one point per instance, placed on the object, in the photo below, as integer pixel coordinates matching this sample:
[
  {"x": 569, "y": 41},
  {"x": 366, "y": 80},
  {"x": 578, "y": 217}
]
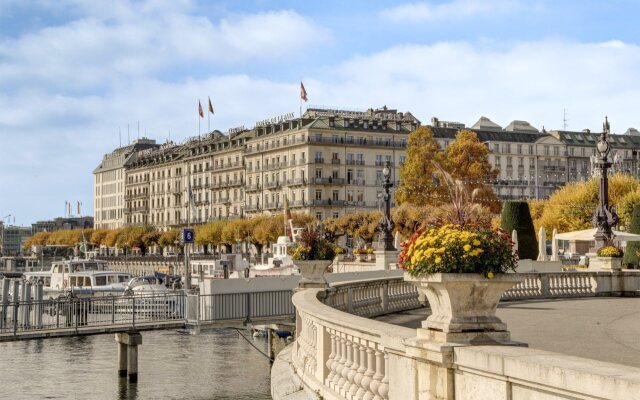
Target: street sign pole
[{"x": 187, "y": 238}]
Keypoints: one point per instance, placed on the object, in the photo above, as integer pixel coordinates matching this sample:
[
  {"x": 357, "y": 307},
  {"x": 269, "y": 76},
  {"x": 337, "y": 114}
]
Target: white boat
[
  {"x": 280, "y": 263},
  {"x": 80, "y": 277},
  {"x": 150, "y": 297}
]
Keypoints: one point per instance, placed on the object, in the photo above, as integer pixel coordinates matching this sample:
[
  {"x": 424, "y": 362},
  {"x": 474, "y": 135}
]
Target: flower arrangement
[
  {"x": 358, "y": 250},
  {"x": 369, "y": 250},
  {"x": 610, "y": 251},
  {"x": 339, "y": 250},
  {"x": 312, "y": 245},
  {"x": 452, "y": 248}
]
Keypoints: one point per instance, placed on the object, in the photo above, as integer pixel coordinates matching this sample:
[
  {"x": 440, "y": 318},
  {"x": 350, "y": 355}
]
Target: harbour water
[{"x": 214, "y": 364}]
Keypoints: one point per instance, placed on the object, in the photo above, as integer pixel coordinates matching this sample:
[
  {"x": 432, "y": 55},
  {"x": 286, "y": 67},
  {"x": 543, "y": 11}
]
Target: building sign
[
  {"x": 236, "y": 130},
  {"x": 275, "y": 120}
]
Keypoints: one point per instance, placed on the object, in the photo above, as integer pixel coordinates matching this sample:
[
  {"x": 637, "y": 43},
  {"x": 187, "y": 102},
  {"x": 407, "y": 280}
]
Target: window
[
  {"x": 334, "y": 195},
  {"x": 319, "y": 215},
  {"x": 318, "y": 172},
  {"x": 496, "y": 148},
  {"x": 546, "y": 150},
  {"x": 335, "y": 174},
  {"x": 360, "y": 195},
  {"x": 519, "y": 149},
  {"x": 530, "y": 149},
  {"x": 556, "y": 151},
  {"x": 319, "y": 194},
  {"x": 350, "y": 195},
  {"x": 335, "y": 214}
]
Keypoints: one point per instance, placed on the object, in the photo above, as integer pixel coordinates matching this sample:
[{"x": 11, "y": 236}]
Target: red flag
[
  {"x": 303, "y": 92},
  {"x": 210, "y": 106},
  {"x": 200, "y": 109}
]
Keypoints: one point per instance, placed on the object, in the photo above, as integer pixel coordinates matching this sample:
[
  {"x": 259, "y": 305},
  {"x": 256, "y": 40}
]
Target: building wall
[{"x": 326, "y": 163}]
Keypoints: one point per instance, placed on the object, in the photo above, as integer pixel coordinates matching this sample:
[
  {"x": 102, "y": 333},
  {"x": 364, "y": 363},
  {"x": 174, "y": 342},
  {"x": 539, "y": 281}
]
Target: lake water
[{"x": 215, "y": 364}]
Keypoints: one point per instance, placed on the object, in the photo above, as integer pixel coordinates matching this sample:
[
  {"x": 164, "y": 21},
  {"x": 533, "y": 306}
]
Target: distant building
[
  {"x": 62, "y": 223},
  {"x": 109, "y": 182},
  {"x": 13, "y": 239}
]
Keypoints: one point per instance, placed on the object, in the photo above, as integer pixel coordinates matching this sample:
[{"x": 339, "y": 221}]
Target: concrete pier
[{"x": 128, "y": 354}]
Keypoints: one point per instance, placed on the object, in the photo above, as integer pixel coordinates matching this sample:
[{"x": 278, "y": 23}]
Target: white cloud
[
  {"x": 453, "y": 10},
  {"x": 461, "y": 81},
  {"x": 92, "y": 51}
]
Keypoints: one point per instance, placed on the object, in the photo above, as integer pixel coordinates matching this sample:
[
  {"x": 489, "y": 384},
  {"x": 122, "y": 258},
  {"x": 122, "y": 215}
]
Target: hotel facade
[{"x": 326, "y": 163}]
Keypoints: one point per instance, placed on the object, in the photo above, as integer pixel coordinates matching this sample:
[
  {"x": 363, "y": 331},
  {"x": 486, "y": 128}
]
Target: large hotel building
[{"x": 326, "y": 163}]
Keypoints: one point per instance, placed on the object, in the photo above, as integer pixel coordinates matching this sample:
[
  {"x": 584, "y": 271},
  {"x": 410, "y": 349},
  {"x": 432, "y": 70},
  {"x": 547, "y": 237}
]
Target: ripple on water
[{"x": 215, "y": 364}]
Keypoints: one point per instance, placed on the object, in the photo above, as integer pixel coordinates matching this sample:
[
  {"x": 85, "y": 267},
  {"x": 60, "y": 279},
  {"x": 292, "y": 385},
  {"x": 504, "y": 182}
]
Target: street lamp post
[
  {"x": 385, "y": 241},
  {"x": 604, "y": 217}
]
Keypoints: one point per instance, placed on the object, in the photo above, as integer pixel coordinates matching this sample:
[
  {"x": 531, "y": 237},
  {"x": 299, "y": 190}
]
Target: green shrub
[
  {"x": 631, "y": 252},
  {"x": 516, "y": 216}
]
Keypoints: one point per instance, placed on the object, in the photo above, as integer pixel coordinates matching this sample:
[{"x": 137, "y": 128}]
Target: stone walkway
[{"x": 606, "y": 329}]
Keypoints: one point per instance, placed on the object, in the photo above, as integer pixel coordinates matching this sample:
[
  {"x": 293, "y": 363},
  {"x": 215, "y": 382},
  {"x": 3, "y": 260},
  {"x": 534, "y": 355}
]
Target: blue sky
[{"x": 73, "y": 73}]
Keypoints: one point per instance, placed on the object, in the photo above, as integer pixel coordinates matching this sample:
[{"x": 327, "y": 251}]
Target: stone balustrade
[
  {"x": 546, "y": 285},
  {"x": 340, "y": 354},
  {"x": 373, "y": 297}
]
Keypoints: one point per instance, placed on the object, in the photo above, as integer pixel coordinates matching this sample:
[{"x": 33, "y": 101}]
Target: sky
[{"x": 77, "y": 77}]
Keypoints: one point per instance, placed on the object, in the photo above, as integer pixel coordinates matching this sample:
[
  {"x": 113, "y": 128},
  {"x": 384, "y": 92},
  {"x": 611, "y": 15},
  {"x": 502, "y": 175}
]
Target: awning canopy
[{"x": 588, "y": 235}]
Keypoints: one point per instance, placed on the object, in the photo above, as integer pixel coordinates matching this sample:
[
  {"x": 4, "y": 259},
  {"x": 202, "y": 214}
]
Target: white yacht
[
  {"x": 280, "y": 263},
  {"x": 81, "y": 277}
]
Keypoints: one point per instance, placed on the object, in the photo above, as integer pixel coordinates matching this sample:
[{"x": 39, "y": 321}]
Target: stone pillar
[
  {"x": 128, "y": 354},
  {"x": 122, "y": 359},
  {"x": 384, "y": 259}
]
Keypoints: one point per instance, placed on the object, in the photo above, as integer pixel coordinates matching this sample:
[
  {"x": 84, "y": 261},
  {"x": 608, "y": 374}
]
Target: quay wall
[{"x": 341, "y": 354}]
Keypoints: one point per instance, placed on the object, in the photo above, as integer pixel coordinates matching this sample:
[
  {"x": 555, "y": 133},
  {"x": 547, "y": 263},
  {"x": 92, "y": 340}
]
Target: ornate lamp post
[
  {"x": 386, "y": 224},
  {"x": 604, "y": 217}
]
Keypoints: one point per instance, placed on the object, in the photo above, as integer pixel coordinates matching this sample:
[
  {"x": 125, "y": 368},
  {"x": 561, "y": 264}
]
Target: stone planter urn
[
  {"x": 606, "y": 263},
  {"x": 312, "y": 272},
  {"x": 463, "y": 306}
]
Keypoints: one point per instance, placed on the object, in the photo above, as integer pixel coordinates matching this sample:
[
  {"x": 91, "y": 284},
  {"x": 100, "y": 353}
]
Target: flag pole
[{"x": 208, "y": 121}]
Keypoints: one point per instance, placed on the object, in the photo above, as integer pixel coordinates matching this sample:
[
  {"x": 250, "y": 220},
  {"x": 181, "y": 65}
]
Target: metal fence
[
  {"x": 39, "y": 315},
  {"x": 246, "y": 306}
]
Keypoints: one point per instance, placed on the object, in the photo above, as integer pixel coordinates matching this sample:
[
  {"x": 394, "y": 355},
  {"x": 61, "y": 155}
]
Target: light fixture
[
  {"x": 386, "y": 171},
  {"x": 603, "y": 147}
]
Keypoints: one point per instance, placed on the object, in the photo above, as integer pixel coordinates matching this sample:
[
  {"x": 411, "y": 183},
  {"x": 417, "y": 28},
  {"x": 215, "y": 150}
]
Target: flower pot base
[
  {"x": 312, "y": 272},
  {"x": 464, "y": 304}
]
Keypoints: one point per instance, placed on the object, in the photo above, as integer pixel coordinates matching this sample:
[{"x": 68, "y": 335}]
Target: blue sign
[{"x": 188, "y": 235}]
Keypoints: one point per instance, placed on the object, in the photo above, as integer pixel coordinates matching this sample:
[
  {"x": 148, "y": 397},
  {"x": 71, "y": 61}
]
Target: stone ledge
[
  {"x": 285, "y": 384},
  {"x": 554, "y": 371}
]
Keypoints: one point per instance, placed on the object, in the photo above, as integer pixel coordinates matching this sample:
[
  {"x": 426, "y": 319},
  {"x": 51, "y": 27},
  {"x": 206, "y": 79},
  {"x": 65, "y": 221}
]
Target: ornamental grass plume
[
  {"x": 457, "y": 249},
  {"x": 463, "y": 208},
  {"x": 313, "y": 245}
]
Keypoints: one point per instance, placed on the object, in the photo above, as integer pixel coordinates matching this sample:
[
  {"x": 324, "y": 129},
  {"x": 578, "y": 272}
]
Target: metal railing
[
  {"x": 246, "y": 306},
  {"x": 40, "y": 315}
]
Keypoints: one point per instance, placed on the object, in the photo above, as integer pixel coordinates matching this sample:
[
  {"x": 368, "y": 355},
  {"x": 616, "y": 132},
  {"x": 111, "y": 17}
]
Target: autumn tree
[
  {"x": 417, "y": 181},
  {"x": 571, "y": 208},
  {"x": 408, "y": 218},
  {"x": 168, "y": 238},
  {"x": 467, "y": 160},
  {"x": 98, "y": 236}
]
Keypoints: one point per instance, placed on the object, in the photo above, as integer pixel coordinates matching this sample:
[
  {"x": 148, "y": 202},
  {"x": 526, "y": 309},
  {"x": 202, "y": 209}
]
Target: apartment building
[
  {"x": 326, "y": 163},
  {"x": 109, "y": 183},
  {"x": 533, "y": 164}
]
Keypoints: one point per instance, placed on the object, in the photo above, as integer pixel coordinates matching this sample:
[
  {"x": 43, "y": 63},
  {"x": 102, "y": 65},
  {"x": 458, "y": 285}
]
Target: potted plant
[
  {"x": 370, "y": 254},
  {"x": 461, "y": 271},
  {"x": 339, "y": 251},
  {"x": 359, "y": 253},
  {"x": 313, "y": 254},
  {"x": 609, "y": 258}
]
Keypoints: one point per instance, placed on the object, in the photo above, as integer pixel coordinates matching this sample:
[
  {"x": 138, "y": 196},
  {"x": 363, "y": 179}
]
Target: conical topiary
[
  {"x": 631, "y": 252},
  {"x": 516, "y": 216}
]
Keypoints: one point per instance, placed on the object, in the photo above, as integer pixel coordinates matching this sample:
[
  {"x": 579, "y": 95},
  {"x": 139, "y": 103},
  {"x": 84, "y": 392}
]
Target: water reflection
[
  {"x": 215, "y": 364},
  {"x": 126, "y": 390}
]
